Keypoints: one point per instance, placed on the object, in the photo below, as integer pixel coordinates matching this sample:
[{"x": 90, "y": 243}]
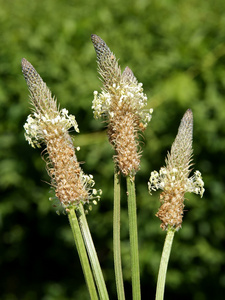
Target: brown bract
[
  {"x": 121, "y": 102},
  {"x": 50, "y": 126}
]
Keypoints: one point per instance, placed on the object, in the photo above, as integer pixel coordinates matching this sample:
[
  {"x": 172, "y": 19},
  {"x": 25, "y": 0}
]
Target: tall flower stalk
[
  {"x": 174, "y": 180},
  {"x": 116, "y": 237},
  {"x": 121, "y": 103},
  {"x": 49, "y": 126}
]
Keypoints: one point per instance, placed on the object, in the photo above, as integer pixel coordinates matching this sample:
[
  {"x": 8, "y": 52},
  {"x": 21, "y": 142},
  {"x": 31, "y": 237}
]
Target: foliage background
[{"x": 177, "y": 49}]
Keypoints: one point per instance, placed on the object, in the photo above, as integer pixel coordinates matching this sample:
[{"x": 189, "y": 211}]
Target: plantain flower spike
[
  {"x": 174, "y": 178},
  {"x": 48, "y": 125},
  {"x": 122, "y": 104}
]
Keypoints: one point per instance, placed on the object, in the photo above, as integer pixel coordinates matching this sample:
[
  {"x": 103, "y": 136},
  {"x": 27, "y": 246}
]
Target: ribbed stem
[
  {"x": 116, "y": 238},
  {"x": 163, "y": 264},
  {"x": 132, "y": 213},
  {"x": 96, "y": 268},
  {"x": 82, "y": 254}
]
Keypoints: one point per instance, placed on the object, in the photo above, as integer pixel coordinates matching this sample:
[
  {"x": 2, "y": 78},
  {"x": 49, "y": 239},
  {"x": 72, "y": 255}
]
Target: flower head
[
  {"x": 122, "y": 102},
  {"x": 174, "y": 178},
  {"x": 48, "y": 125}
]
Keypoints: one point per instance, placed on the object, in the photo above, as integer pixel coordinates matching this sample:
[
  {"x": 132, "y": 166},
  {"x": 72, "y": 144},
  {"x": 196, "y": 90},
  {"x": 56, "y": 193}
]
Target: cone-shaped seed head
[
  {"x": 122, "y": 103},
  {"x": 173, "y": 178},
  {"x": 47, "y": 125}
]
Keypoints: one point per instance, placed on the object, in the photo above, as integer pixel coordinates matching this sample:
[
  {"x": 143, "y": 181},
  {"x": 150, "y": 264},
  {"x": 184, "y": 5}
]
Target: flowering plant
[{"x": 122, "y": 104}]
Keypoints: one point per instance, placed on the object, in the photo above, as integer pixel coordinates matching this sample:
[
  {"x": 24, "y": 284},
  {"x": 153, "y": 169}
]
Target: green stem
[
  {"x": 116, "y": 238},
  {"x": 132, "y": 214},
  {"x": 163, "y": 264},
  {"x": 99, "y": 279},
  {"x": 82, "y": 254}
]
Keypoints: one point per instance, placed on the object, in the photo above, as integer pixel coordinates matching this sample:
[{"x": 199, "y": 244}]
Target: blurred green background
[{"x": 177, "y": 50}]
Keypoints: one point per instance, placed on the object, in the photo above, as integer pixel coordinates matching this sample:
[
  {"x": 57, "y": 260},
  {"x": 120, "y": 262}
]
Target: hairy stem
[
  {"x": 132, "y": 213},
  {"x": 163, "y": 264},
  {"x": 116, "y": 238},
  {"x": 100, "y": 282},
  {"x": 82, "y": 254}
]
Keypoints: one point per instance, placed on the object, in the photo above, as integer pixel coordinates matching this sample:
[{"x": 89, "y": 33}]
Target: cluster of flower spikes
[
  {"x": 174, "y": 178},
  {"x": 48, "y": 125},
  {"x": 122, "y": 104}
]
